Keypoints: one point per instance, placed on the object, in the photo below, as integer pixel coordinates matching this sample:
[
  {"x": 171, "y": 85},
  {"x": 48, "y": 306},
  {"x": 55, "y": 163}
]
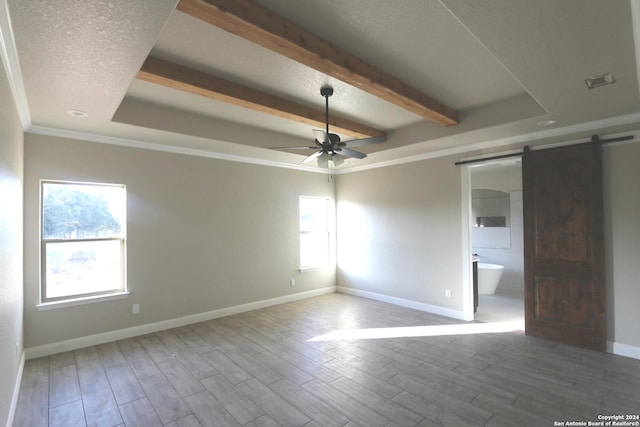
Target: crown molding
[
  {"x": 501, "y": 142},
  {"x": 9, "y": 54},
  {"x": 132, "y": 143}
]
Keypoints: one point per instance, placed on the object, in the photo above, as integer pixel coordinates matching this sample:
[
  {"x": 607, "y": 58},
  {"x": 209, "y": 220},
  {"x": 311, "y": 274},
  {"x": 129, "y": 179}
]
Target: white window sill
[
  {"x": 81, "y": 301},
  {"x": 312, "y": 268}
]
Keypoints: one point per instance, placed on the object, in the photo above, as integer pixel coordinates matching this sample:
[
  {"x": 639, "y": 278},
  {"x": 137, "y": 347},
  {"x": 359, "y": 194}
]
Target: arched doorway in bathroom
[{"x": 496, "y": 238}]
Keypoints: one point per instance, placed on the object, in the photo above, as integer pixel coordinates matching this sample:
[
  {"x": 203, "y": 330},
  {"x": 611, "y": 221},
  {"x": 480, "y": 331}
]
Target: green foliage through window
[{"x": 79, "y": 211}]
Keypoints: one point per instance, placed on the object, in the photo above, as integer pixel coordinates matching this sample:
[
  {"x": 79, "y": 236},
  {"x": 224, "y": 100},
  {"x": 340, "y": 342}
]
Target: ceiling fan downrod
[{"x": 326, "y": 91}]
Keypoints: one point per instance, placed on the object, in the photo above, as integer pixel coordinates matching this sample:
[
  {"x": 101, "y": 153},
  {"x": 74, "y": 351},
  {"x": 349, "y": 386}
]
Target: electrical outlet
[
  {"x": 135, "y": 308},
  {"x": 447, "y": 293},
  {"x": 292, "y": 282}
]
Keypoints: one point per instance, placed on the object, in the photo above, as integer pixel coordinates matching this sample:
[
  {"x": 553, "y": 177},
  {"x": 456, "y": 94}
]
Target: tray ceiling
[{"x": 501, "y": 66}]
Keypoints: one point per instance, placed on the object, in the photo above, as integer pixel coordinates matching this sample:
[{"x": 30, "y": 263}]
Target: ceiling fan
[{"x": 329, "y": 145}]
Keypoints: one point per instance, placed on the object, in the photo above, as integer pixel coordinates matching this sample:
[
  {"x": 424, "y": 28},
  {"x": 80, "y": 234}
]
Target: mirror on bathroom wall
[
  {"x": 490, "y": 208},
  {"x": 490, "y": 219}
]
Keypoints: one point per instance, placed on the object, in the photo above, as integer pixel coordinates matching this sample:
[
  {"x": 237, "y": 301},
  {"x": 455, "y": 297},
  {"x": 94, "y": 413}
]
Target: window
[
  {"x": 83, "y": 240},
  {"x": 315, "y": 232}
]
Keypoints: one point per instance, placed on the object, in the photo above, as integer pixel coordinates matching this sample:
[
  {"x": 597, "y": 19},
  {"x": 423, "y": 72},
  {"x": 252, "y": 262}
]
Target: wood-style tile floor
[{"x": 260, "y": 369}]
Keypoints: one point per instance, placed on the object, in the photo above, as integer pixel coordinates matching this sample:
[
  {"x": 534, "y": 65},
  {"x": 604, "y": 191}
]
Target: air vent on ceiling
[{"x": 603, "y": 80}]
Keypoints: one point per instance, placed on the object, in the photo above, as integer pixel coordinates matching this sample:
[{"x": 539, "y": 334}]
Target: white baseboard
[
  {"x": 87, "y": 341},
  {"x": 623, "y": 350},
  {"x": 433, "y": 309},
  {"x": 16, "y": 391}
]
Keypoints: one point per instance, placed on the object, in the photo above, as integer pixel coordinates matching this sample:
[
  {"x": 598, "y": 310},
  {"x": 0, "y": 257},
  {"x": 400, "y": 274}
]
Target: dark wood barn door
[{"x": 564, "y": 245}]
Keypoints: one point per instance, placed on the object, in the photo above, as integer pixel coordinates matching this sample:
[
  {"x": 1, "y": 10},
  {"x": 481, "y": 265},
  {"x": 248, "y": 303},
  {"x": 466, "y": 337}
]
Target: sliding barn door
[{"x": 564, "y": 245}]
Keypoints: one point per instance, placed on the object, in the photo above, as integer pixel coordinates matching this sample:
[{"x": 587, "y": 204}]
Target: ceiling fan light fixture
[
  {"x": 323, "y": 160},
  {"x": 337, "y": 160}
]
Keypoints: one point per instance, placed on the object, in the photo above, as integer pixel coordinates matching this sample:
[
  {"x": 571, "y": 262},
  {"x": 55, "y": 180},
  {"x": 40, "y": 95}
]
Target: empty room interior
[{"x": 319, "y": 213}]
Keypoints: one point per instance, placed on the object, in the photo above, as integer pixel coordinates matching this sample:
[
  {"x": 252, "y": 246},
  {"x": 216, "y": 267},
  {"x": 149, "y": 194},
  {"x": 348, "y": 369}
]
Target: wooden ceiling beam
[
  {"x": 185, "y": 79},
  {"x": 258, "y": 24}
]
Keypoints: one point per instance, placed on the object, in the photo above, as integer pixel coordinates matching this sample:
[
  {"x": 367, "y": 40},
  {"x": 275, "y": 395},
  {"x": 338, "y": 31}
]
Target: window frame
[
  {"x": 329, "y": 221},
  {"x": 77, "y": 298}
]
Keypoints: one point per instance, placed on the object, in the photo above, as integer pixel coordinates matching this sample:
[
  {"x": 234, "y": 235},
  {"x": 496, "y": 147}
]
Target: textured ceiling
[
  {"x": 82, "y": 54},
  {"x": 503, "y": 64}
]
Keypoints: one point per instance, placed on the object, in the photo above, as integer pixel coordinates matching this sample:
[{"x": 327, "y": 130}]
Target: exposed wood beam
[
  {"x": 258, "y": 24},
  {"x": 178, "y": 77}
]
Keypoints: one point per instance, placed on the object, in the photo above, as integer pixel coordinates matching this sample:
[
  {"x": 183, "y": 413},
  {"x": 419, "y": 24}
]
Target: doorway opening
[{"x": 496, "y": 239}]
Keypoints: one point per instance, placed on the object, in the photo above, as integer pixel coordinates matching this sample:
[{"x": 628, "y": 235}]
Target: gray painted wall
[
  {"x": 203, "y": 234},
  {"x": 11, "y": 171},
  {"x": 400, "y": 232},
  {"x": 622, "y": 241},
  {"x": 400, "y": 228},
  {"x": 207, "y": 234}
]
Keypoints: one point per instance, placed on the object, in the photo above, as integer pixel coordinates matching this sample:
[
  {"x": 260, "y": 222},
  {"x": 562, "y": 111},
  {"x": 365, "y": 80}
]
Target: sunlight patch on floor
[{"x": 421, "y": 331}]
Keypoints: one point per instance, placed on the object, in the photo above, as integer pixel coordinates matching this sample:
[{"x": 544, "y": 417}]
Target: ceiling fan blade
[
  {"x": 350, "y": 153},
  {"x": 313, "y": 156},
  {"x": 364, "y": 141},
  {"x": 293, "y": 148}
]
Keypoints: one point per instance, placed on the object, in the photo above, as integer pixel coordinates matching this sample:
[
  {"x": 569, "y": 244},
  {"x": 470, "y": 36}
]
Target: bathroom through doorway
[{"x": 496, "y": 239}]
